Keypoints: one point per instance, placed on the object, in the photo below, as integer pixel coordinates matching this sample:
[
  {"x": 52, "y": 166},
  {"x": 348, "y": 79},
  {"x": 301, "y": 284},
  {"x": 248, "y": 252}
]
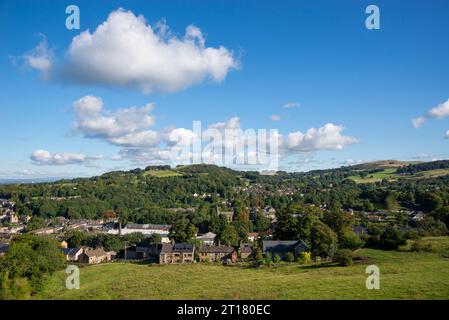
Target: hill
[
  {"x": 384, "y": 164},
  {"x": 404, "y": 275}
]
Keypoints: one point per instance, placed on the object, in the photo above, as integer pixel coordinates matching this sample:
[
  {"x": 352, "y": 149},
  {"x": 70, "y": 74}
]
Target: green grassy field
[
  {"x": 162, "y": 173},
  {"x": 404, "y": 275},
  {"x": 390, "y": 174}
]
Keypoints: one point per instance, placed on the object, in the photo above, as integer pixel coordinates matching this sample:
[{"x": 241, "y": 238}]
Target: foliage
[
  {"x": 229, "y": 235},
  {"x": 289, "y": 257},
  {"x": 29, "y": 260},
  {"x": 344, "y": 257},
  {"x": 182, "y": 231},
  {"x": 349, "y": 240},
  {"x": 305, "y": 257},
  {"x": 390, "y": 238},
  {"x": 324, "y": 240}
]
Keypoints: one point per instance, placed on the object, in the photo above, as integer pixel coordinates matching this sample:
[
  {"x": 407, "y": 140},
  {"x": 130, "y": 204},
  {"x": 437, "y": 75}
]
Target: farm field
[
  {"x": 404, "y": 275},
  {"x": 162, "y": 173},
  {"x": 390, "y": 174}
]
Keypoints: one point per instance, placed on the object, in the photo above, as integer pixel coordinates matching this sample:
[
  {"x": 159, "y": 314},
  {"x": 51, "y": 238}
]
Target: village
[{"x": 205, "y": 248}]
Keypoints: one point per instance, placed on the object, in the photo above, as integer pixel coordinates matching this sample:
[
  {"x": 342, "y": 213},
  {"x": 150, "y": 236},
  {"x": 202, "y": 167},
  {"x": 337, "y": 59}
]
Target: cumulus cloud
[
  {"x": 40, "y": 57},
  {"x": 351, "y": 162},
  {"x": 44, "y": 157},
  {"x": 275, "y": 117},
  {"x": 124, "y": 127},
  {"x": 292, "y": 105},
  {"x": 439, "y": 112},
  {"x": 126, "y": 51},
  {"x": 446, "y": 136},
  {"x": 131, "y": 129},
  {"x": 328, "y": 137},
  {"x": 418, "y": 122}
]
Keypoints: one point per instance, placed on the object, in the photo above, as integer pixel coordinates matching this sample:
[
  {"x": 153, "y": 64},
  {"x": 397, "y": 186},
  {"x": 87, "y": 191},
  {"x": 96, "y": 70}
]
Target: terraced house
[
  {"x": 177, "y": 253},
  {"x": 217, "y": 254}
]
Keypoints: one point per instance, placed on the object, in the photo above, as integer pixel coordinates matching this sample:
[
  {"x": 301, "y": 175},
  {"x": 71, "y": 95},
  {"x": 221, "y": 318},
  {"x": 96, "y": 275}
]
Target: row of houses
[{"x": 88, "y": 255}]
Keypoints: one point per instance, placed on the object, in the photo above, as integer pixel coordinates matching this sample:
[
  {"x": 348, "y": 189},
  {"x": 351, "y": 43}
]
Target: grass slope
[
  {"x": 404, "y": 275},
  {"x": 390, "y": 174},
  {"x": 162, "y": 173}
]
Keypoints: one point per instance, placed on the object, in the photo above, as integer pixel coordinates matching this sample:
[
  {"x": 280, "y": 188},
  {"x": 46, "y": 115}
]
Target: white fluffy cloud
[
  {"x": 41, "y": 57},
  {"x": 418, "y": 122},
  {"x": 328, "y": 137},
  {"x": 44, "y": 157},
  {"x": 126, "y": 51},
  {"x": 439, "y": 112},
  {"x": 130, "y": 129},
  {"x": 125, "y": 127},
  {"x": 446, "y": 136}
]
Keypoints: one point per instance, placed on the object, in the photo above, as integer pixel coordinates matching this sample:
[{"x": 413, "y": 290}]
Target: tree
[
  {"x": 338, "y": 220},
  {"x": 286, "y": 227},
  {"x": 182, "y": 231},
  {"x": 261, "y": 223},
  {"x": 29, "y": 260},
  {"x": 35, "y": 223},
  {"x": 324, "y": 240},
  {"x": 229, "y": 235},
  {"x": 155, "y": 238},
  {"x": 75, "y": 239},
  {"x": 349, "y": 240},
  {"x": 391, "y": 239},
  {"x": 391, "y": 203}
]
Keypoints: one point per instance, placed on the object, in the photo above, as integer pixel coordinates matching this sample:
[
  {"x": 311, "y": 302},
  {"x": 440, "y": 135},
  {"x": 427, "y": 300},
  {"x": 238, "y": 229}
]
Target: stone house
[
  {"x": 177, "y": 253},
  {"x": 217, "y": 254},
  {"x": 72, "y": 254},
  {"x": 95, "y": 256},
  {"x": 207, "y": 238},
  {"x": 245, "y": 251}
]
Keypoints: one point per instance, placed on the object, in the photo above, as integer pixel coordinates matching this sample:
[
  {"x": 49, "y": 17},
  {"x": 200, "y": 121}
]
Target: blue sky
[{"x": 314, "y": 53}]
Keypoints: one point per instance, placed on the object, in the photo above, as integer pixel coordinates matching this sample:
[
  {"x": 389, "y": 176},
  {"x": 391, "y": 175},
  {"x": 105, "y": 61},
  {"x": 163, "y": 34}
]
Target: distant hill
[
  {"x": 384, "y": 164},
  {"x": 393, "y": 170}
]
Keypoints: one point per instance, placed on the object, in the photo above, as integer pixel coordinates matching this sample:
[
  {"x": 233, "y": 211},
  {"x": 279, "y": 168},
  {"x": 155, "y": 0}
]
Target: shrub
[
  {"x": 445, "y": 253},
  {"x": 269, "y": 259},
  {"x": 344, "y": 257},
  {"x": 351, "y": 241},
  {"x": 305, "y": 257},
  {"x": 289, "y": 257},
  {"x": 276, "y": 259},
  {"x": 420, "y": 246}
]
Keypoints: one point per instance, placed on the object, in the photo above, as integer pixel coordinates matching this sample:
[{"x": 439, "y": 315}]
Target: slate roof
[
  {"x": 70, "y": 251},
  {"x": 95, "y": 253},
  {"x": 216, "y": 249},
  {"x": 282, "y": 246},
  {"x": 245, "y": 248},
  {"x": 177, "y": 247}
]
